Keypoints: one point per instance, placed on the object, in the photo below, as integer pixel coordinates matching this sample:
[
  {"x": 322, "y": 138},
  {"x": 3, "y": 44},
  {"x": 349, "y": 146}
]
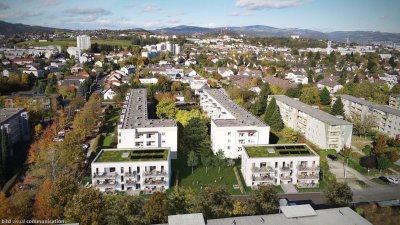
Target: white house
[
  {"x": 132, "y": 170},
  {"x": 280, "y": 164},
  {"x": 152, "y": 80},
  {"x": 225, "y": 72},
  {"x": 109, "y": 94},
  {"x": 297, "y": 78},
  {"x": 231, "y": 125},
  {"x": 33, "y": 70},
  {"x": 136, "y": 130}
]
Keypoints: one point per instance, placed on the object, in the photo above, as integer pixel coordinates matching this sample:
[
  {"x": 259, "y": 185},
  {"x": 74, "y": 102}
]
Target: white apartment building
[
  {"x": 136, "y": 130},
  {"x": 83, "y": 42},
  {"x": 387, "y": 119},
  {"x": 323, "y": 129},
  {"x": 231, "y": 125},
  {"x": 15, "y": 122},
  {"x": 394, "y": 101},
  {"x": 132, "y": 170},
  {"x": 280, "y": 164}
]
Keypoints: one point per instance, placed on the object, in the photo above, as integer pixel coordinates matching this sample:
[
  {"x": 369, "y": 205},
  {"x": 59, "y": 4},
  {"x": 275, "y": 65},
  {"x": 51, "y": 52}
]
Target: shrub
[
  {"x": 392, "y": 155},
  {"x": 368, "y": 161}
]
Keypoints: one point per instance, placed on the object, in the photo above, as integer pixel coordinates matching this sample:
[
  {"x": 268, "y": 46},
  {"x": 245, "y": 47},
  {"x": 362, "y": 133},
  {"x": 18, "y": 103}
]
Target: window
[
  {"x": 229, "y": 133},
  {"x": 163, "y": 141},
  {"x": 119, "y": 141},
  {"x": 163, "y": 133},
  {"x": 229, "y": 140},
  {"x": 122, "y": 170},
  {"x": 229, "y": 147}
]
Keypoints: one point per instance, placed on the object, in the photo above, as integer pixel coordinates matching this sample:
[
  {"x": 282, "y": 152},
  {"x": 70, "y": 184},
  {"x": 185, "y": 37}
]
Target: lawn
[
  {"x": 70, "y": 42},
  {"x": 322, "y": 185},
  {"x": 378, "y": 181},
  {"x": 111, "y": 118},
  {"x": 360, "y": 142},
  {"x": 199, "y": 179}
]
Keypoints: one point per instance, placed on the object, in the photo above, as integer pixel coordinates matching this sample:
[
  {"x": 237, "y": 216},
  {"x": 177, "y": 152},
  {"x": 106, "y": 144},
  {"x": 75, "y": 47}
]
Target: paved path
[
  {"x": 289, "y": 188},
  {"x": 338, "y": 168}
]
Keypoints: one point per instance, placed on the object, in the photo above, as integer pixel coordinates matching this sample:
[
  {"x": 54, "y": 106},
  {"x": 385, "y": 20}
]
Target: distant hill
[
  {"x": 363, "y": 36},
  {"x": 18, "y": 28}
]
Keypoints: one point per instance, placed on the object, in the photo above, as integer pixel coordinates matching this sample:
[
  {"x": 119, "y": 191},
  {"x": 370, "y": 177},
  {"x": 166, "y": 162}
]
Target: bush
[
  {"x": 367, "y": 150},
  {"x": 392, "y": 155},
  {"x": 368, "y": 161}
]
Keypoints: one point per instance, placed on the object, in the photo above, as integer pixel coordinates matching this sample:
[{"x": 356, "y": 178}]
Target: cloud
[
  {"x": 268, "y": 4},
  {"x": 150, "y": 8},
  {"x": 19, "y": 15},
  {"x": 49, "y": 2},
  {"x": 239, "y": 14},
  {"x": 87, "y": 11},
  {"x": 3, "y": 6},
  {"x": 174, "y": 21}
]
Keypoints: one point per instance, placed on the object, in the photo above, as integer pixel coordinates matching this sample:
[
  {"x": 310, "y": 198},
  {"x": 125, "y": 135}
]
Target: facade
[
  {"x": 280, "y": 164},
  {"x": 132, "y": 170},
  {"x": 231, "y": 125},
  {"x": 15, "y": 121},
  {"x": 34, "y": 100},
  {"x": 394, "y": 101},
  {"x": 136, "y": 130},
  {"x": 323, "y": 129},
  {"x": 387, "y": 118},
  {"x": 83, "y": 42}
]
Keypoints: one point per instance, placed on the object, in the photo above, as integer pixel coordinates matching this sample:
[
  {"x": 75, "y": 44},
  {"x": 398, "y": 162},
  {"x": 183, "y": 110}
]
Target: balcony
[
  {"x": 151, "y": 190},
  {"x": 285, "y": 177},
  {"x": 306, "y": 168},
  {"x": 308, "y": 177},
  {"x": 133, "y": 174},
  {"x": 155, "y": 182},
  {"x": 307, "y": 184},
  {"x": 265, "y": 169},
  {"x": 130, "y": 182},
  {"x": 155, "y": 173},
  {"x": 104, "y": 175},
  {"x": 285, "y": 169},
  {"x": 106, "y": 184},
  {"x": 263, "y": 178}
]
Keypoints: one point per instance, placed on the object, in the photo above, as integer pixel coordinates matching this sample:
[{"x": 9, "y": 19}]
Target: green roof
[
  {"x": 278, "y": 150},
  {"x": 126, "y": 155}
]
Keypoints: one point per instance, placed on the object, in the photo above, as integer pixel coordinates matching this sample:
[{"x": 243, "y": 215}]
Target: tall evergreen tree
[
  {"x": 276, "y": 121},
  {"x": 261, "y": 104},
  {"x": 337, "y": 107},
  {"x": 324, "y": 96},
  {"x": 270, "y": 109}
]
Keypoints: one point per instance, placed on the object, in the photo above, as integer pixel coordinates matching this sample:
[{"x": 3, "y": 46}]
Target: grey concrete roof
[
  {"x": 136, "y": 112},
  {"x": 309, "y": 110},
  {"x": 382, "y": 108},
  {"x": 334, "y": 216},
  {"x": 7, "y": 113},
  {"x": 242, "y": 116},
  {"x": 186, "y": 219}
]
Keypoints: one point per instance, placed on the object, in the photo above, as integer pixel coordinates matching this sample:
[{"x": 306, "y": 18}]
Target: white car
[{"x": 393, "y": 180}]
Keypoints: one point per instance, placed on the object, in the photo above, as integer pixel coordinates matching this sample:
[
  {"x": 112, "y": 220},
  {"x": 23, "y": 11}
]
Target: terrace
[
  {"x": 125, "y": 155},
  {"x": 278, "y": 151}
]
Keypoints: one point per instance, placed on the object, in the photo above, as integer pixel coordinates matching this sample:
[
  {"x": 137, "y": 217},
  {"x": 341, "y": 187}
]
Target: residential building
[
  {"x": 331, "y": 83},
  {"x": 298, "y": 78},
  {"x": 83, "y": 42},
  {"x": 280, "y": 164},
  {"x": 132, "y": 170},
  {"x": 15, "y": 121},
  {"x": 22, "y": 98},
  {"x": 394, "y": 101},
  {"x": 387, "y": 119},
  {"x": 136, "y": 130},
  {"x": 288, "y": 215},
  {"x": 231, "y": 125},
  {"x": 323, "y": 129}
]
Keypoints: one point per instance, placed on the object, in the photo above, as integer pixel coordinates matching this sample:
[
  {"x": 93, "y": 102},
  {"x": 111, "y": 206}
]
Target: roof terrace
[
  {"x": 131, "y": 155},
  {"x": 258, "y": 151}
]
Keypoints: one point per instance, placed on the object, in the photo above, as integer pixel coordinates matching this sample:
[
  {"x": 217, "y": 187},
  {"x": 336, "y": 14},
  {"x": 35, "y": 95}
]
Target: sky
[{"x": 321, "y": 15}]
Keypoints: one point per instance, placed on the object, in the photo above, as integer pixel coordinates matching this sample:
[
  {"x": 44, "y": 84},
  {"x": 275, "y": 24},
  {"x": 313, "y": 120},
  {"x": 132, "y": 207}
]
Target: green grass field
[
  {"x": 108, "y": 127},
  {"x": 199, "y": 179},
  {"x": 72, "y": 42}
]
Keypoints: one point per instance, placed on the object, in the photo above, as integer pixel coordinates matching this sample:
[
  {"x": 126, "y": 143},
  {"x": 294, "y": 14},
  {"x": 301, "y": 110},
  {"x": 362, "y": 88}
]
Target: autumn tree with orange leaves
[{"x": 42, "y": 208}]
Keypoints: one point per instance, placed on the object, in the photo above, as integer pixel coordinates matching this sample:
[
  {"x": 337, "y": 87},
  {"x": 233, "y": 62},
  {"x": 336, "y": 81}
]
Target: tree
[
  {"x": 271, "y": 108},
  {"x": 310, "y": 95},
  {"x": 263, "y": 200},
  {"x": 362, "y": 124},
  {"x": 38, "y": 130},
  {"x": 124, "y": 210},
  {"x": 261, "y": 104},
  {"x": 156, "y": 208},
  {"x": 182, "y": 201},
  {"x": 383, "y": 162},
  {"x": 337, "y": 107},
  {"x": 192, "y": 160},
  {"x": 325, "y": 96},
  {"x": 62, "y": 191},
  {"x": 392, "y": 62},
  {"x": 195, "y": 136},
  {"x": 338, "y": 194},
  {"x": 289, "y": 135},
  {"x": 206, "y": 160},
  {"x": 240, "y": 208},
  {"x": 22, "y": 203},
  {"x": 219, "y": 159},
  {"x": 7, "y": 208},
  {"x": 184, "y": 116},
  {"x": 166, "y": 109},
  {"x": 276, "y": 121},
  {"x": 368, "y": 161},
  {"x": 67, "y": 92},
  {"x": 86, "y": 207},
  {"x": 41, "y": 208},
  {"x": 214, "y": 202},
  {"x": 379, "y": 145}
]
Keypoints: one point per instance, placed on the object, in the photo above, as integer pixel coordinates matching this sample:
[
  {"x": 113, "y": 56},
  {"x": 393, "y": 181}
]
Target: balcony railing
[
  {"x": 307, "y": 185},
  {"x": 150, "y": 190},
  {"x": 308, "y": 176},
  {"x": 133, "y": 174},
  {"x": 106, "y": 184},
  {"x": 154, "y": 173},
  {"x": 104, "y": 175},
  {"x": 263, "y": 178},
  {"x": 308, "y": 168},
  {"x": 130, "y": 182},
  {"x": 155, "y": 182},
  {"x": 264, "y": 169},
  {"x": 285, "y": 177},
  {"x": 285, "y": 169}
]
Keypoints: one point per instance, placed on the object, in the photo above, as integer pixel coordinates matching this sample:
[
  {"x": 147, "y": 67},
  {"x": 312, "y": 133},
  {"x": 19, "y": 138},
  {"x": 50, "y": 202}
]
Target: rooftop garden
[
  {"x": 132, "y": 155},
  {"x": 278, "y": 151}
]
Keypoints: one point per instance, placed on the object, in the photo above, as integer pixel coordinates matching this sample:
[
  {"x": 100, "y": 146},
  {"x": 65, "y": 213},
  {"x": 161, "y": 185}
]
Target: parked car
[
  {"x": 393, "y": 180},
  {"x": 384, "y": 179},
  {"x": 333, "y": 157}
]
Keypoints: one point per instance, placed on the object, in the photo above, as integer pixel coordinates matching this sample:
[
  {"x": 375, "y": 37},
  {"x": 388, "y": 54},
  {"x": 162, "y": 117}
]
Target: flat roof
[
  {"x": 131, "y": 155},
  {"x": 373, "y": 105},
  {"x": 8, "y": 113},
  {"x": 135, "y": 112},
  {"x": 186, "y": 219},
  {"x": 309, "y": 110},
  {"x": 242, "y": 116},
  {"x": 296, "y": 211},
  {"x": 283, "y": 150}
]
